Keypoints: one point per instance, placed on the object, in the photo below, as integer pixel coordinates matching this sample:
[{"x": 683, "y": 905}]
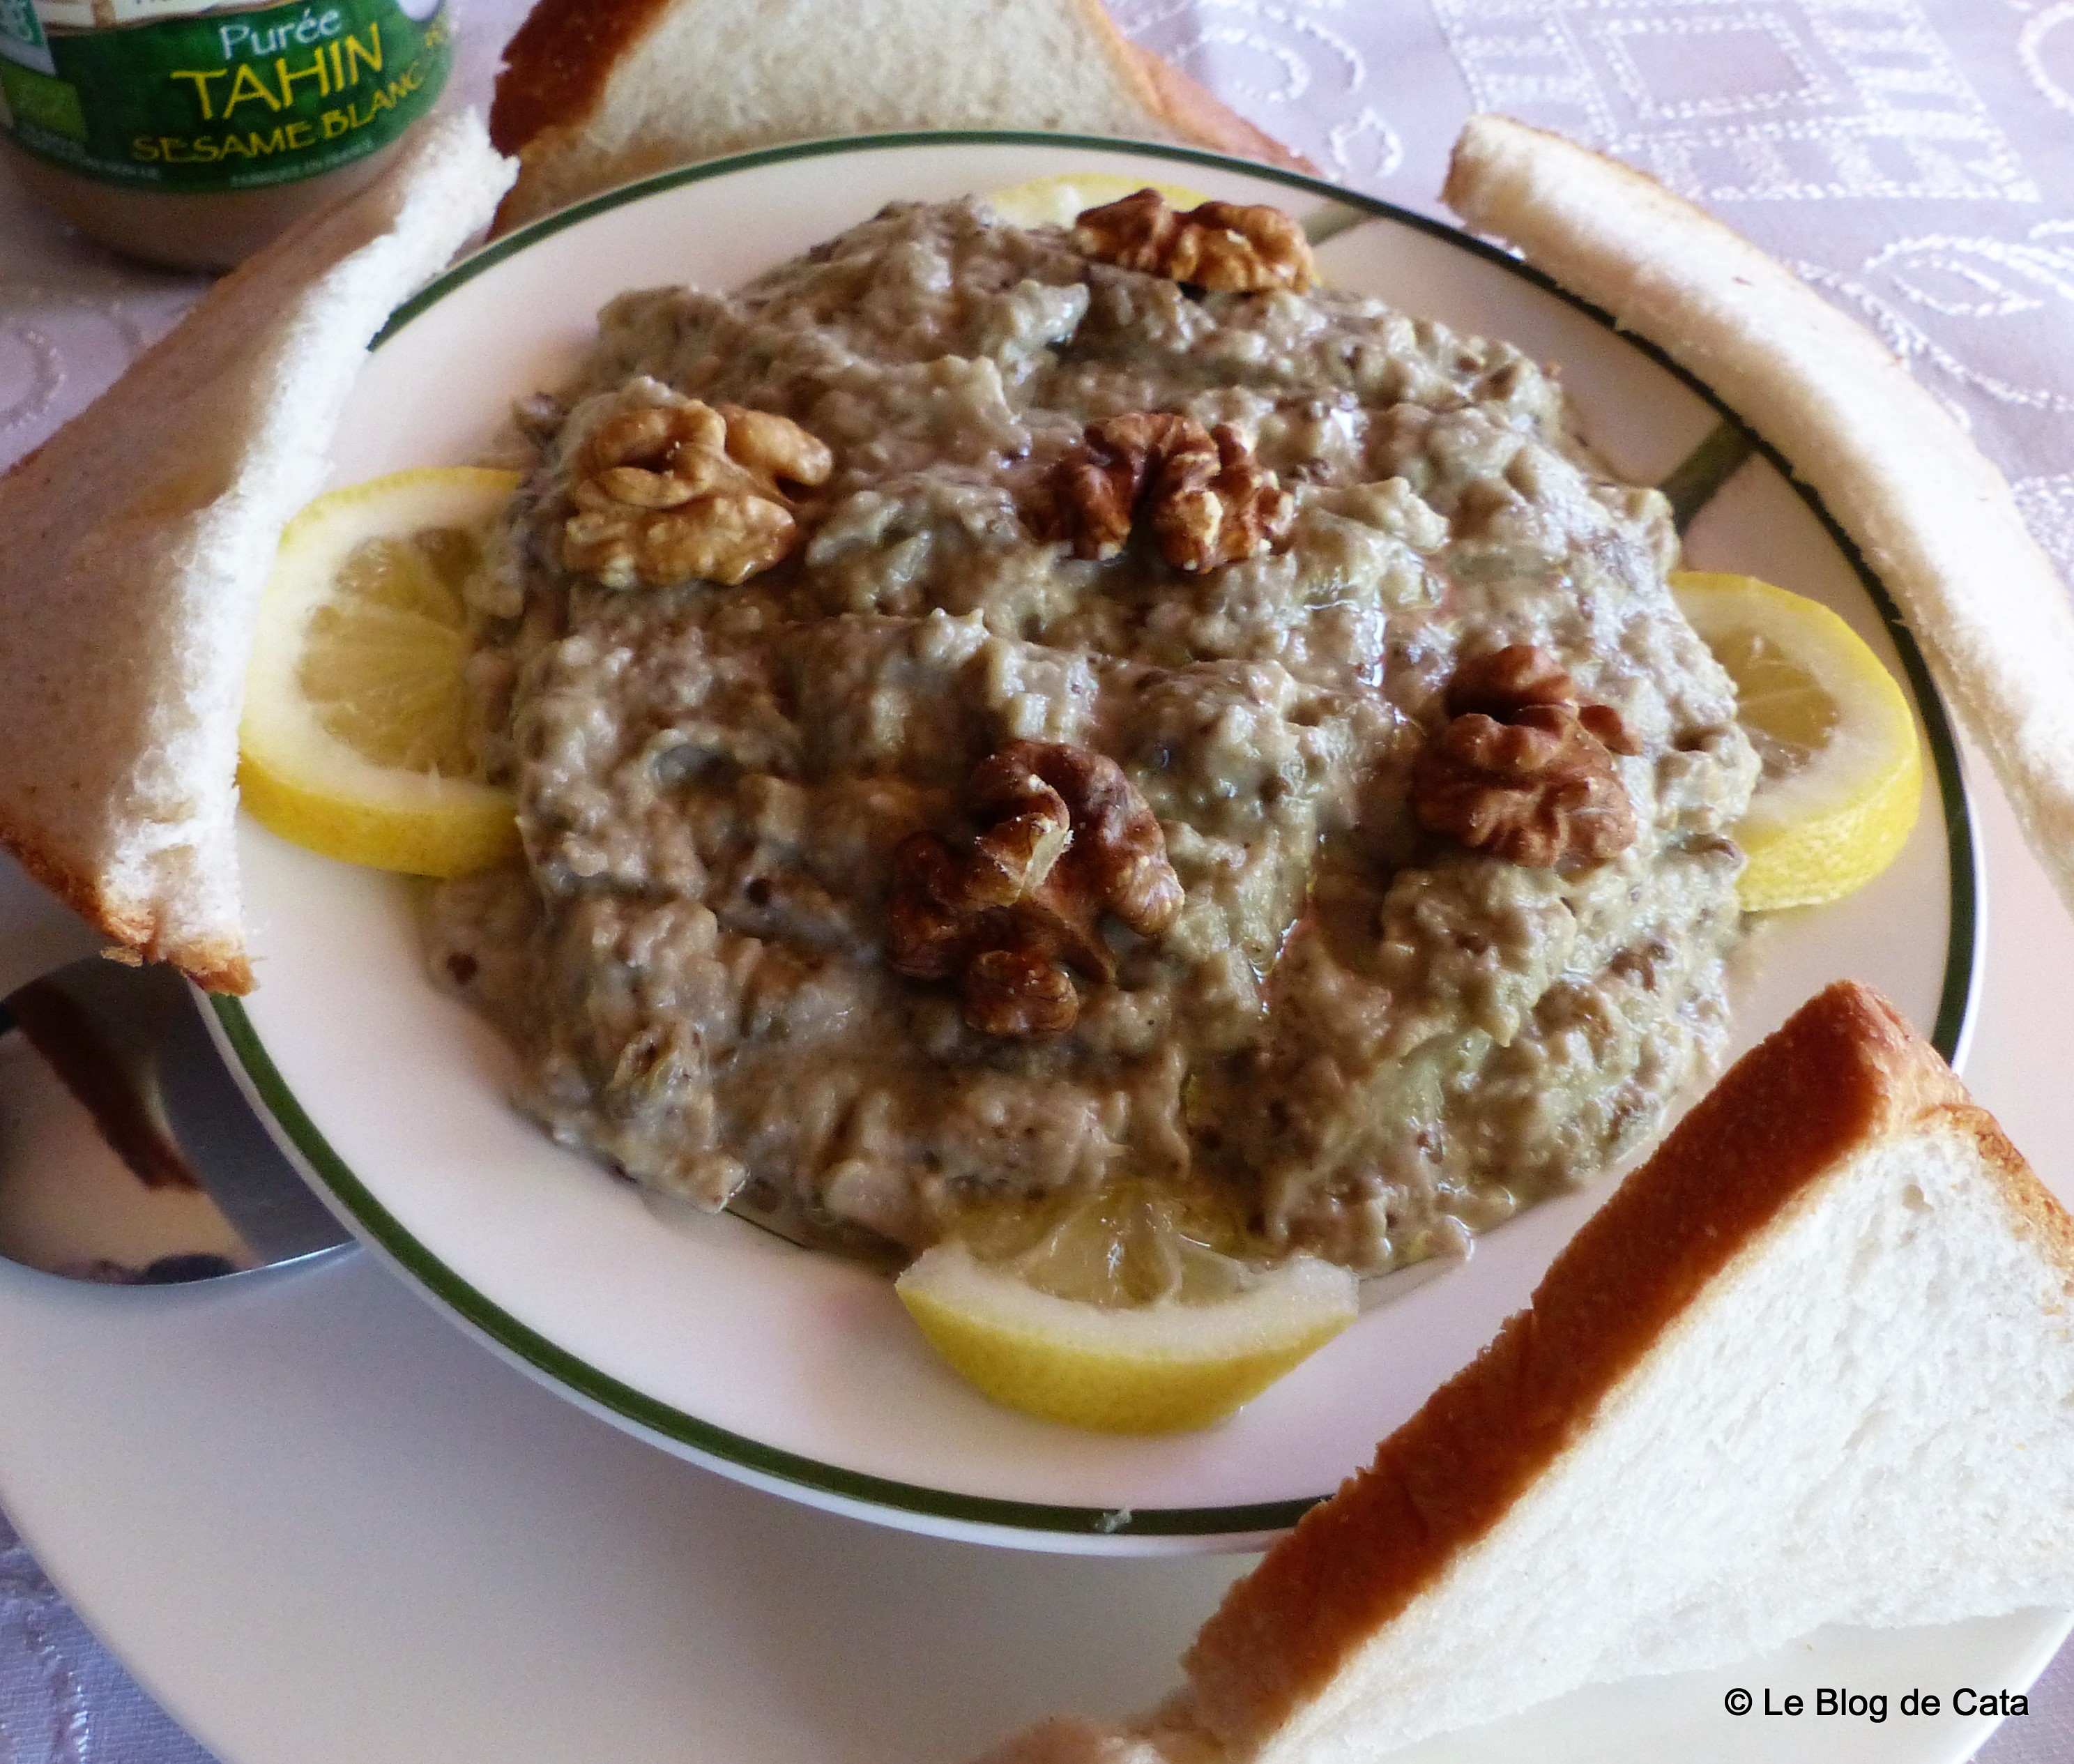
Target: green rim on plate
[{"x": 702, "y": 1438}]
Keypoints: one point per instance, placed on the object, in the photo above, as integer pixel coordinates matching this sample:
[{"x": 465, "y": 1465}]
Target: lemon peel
[
  {"x": 1842, "y": 785},
  {"x": 1168, "y": 1366},
  {"x": 353, "y": 742}
]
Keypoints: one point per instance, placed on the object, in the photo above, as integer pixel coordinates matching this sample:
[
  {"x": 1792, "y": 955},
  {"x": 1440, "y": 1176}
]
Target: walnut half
[
  {"x": 1227, "y": 247},
  {"x": 1209, "y": 501},
  {"x": 1521, "y": 769},
  {"x": 669, "y": 493},
  {"x": 1063, "y": 837}
]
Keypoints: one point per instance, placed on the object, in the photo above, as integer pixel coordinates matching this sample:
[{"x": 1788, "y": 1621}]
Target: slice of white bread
[
  {"x": 1813, "y": 1363},
  {"x": 593, "y": 95},
  {"x": 1932, "y": 516},
  {"x": 139, "y": 536}
]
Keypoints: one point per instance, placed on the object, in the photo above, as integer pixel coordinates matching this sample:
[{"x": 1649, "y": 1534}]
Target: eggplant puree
[{"x": 1374, "y": 1042}]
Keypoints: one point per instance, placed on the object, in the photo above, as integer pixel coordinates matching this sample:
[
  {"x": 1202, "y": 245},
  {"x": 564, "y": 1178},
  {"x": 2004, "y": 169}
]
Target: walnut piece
[
  {"x": 1063, "y": 837},
  {"x": 1019, "y": 992},
  {"x": 1521, "y": 770},
  {"x": 1227, "y": 247},
  {"x": 666, "y": 493},
  {"x": 1210, "y": 501}
]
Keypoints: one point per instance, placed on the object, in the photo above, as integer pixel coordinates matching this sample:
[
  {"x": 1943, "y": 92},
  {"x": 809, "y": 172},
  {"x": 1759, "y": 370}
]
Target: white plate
[
  {"x": 324, "y": 1529},
  {"x": 799, "y": 1371}
]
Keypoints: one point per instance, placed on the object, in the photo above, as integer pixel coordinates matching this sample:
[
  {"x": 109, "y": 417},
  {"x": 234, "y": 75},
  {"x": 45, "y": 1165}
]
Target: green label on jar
[{"x": 221, "y": 98}]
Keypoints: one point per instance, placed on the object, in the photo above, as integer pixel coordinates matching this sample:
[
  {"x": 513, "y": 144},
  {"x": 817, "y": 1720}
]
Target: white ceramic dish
[
  {"x": 797, "y": 1371},
  {"x": 324, "y": 1529}
]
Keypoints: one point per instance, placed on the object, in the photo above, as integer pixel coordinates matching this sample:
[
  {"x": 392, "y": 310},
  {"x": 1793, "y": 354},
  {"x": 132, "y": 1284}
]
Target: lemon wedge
[
  {"x": 354, "y": 739},
  {"x": 1059, "y": 201},
  {"x": 1111, "y": 1318},
  {"x": 1842, "y": 783}
]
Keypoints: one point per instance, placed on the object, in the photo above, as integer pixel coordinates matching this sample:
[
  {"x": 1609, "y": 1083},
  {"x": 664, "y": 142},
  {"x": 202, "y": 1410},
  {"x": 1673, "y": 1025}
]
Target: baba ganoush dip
[{"x": 1098, "y": 728}]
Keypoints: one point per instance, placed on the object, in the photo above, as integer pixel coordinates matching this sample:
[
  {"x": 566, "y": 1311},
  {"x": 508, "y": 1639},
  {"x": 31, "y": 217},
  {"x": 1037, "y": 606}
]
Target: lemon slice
[
  {"x": 1843, "y": 770},
  {"x": 1112, "y": 1319},
  {"x": 354, "y": 740},
  {"x": 1060, "y": 200}
]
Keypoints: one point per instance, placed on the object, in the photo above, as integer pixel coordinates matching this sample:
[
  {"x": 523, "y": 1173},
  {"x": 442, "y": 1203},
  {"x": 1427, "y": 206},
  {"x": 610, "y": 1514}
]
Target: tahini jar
[{"x": 190, "y": 132}]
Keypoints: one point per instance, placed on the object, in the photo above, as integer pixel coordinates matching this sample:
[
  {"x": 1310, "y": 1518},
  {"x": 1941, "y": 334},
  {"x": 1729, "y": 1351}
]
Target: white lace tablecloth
[{"x": 1913, "y": 158}]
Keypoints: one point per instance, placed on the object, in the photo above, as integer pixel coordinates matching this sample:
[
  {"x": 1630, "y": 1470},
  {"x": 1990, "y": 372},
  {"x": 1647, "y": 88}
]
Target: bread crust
[
  {"x": 1844, "y": 1073},
  {"x": 214, "y": 964},
  {"x": 558, "y": 63},
  {"x": 2034, "y": 1211},
  {"x": 558, "y": 69},
  {"x": 1931, "y": 513}
]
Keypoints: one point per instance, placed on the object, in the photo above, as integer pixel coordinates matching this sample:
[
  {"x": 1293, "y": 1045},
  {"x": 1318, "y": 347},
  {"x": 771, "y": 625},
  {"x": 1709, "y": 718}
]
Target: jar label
[{"x": 192, "y": 95}]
